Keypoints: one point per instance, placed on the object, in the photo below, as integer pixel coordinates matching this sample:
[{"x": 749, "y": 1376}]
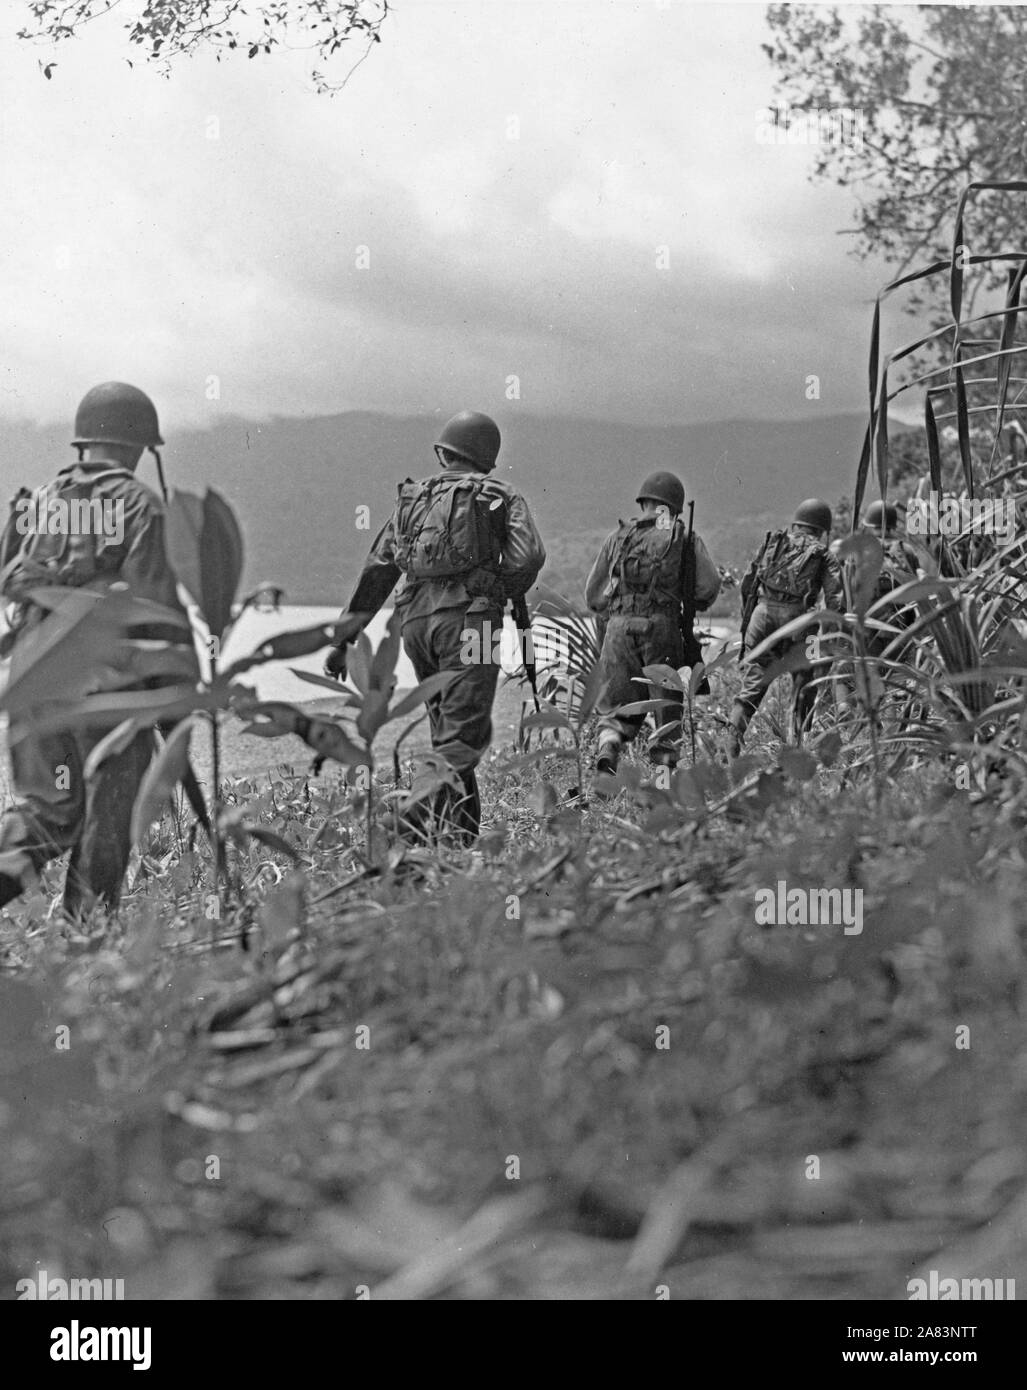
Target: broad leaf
[
  {"x": 421, "y": 694},
  {"x": 162, "y": 777}
]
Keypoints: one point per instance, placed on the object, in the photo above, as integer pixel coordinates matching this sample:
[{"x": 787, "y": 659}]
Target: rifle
[
  {"x": 690, "y": 645},
  {"x": 751, "y": 597},
  {"x": 520, "y": 617}
]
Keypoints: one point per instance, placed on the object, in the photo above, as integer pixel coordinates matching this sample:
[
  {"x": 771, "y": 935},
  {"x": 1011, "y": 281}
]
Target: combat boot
[{"x": 608, "y": 755}]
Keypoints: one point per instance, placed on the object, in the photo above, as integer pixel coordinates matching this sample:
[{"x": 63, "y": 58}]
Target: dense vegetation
[{"x": 572, "y": 1062}]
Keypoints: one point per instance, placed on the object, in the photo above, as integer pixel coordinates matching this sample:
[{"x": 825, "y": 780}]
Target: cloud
[{"x": 513, "y": 171}]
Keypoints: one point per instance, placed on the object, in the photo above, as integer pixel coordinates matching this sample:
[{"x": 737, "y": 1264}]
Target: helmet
[
  {"x": 663, "y": 487},
  {"x": 878, "y": 511},
  {"x": 472, "y": 436},
  {"x": 814, "y": 512},
  {"x": 116, "y": 413}
]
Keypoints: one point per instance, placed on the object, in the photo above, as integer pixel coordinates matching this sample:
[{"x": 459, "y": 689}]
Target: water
[{"x": 275, "y": 680}]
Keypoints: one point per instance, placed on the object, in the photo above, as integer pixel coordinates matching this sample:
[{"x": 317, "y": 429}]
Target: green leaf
[
  {"x": 427, "y": 690},
  {"x": 162, "y": 777}
]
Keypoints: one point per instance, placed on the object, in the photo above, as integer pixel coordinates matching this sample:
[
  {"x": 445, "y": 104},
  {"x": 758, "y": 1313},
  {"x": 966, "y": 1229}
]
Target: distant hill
[{"x": 297, "y": 483}]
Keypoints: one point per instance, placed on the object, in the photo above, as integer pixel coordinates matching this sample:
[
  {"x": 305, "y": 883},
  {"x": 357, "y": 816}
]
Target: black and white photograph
[{"x": 513, "y": 667}]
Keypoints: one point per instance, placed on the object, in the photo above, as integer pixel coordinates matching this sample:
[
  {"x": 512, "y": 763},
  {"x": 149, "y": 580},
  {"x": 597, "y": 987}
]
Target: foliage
[{"x": 160, "y": 32}]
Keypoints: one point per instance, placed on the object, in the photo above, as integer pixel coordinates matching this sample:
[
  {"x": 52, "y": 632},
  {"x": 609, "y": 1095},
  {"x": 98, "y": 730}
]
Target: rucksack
[
  {"x": 646, "y": 564},
  {"x": 69, "y": 557},
  {"x": 790, "y": 569},
  {"x": 447, "y": 526}
]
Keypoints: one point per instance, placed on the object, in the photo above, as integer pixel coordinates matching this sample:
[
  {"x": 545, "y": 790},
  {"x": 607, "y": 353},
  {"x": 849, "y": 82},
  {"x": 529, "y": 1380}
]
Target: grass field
[{"x": 570, "y": 1065}]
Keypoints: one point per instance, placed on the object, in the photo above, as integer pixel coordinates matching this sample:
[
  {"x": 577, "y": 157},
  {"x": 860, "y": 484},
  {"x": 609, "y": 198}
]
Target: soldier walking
[
  {"x": 792, "y": 569},
  {"x": 463, "y": 544},
  {"x": 650, "y": 578},
  {"x": 48, "y": 543}
]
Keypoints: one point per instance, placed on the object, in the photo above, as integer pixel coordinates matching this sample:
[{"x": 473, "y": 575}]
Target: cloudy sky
[{"x": 136, "y": 246}]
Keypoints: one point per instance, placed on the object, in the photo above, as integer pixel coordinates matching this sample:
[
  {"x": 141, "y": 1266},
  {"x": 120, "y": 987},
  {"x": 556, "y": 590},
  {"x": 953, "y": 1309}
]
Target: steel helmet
[
  {"x": 663, "y": 487},
  {"x": 116, "y": 413},
  {"x": 472, "y": 436},
  {"x": 878, "y": 510},
  {"x": 814, "y": 512}
]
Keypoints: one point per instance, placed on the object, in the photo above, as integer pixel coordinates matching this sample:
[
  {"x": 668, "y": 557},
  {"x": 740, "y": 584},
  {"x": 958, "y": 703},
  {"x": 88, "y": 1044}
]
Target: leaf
[
  {"x": 115, "y": 742},
  {"x": 59, "y": 658},
  {"x": 547, "y": 718},
  {"x": 665, "y": 677},
  {"x": 287, "y": 645},
  {"x": 326, "y": 682},
  {"x": 866, "y": 556},
  {"x": 162, "y": 777},
  {"x": 383, "y": 667},
  {"x": 421, "y": 694},
  {"x": 358, "y": 663},
  {"x": 374, "y": 712},
  {"x": 647, "y": 706},
  {"x": 221, "y": 559}
]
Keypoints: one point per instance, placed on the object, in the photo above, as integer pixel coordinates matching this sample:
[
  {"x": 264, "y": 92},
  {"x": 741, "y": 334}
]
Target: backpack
[
  {"x": 68, "y": 556},
  {"x": 646, "y": 568},
  {"x": 790, "y": 568},
  {"x": 447, "y": 527}
]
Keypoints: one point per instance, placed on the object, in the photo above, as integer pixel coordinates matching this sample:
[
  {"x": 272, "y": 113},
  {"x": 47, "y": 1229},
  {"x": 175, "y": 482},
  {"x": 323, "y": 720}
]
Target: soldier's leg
[
  {"x": 100, "y": 855},
  {"x": 754, "y": 678},
  {"x": 46, "y": 773},
  {"x": 663, "y": 646},
  {"x": 461, "y": 716},
  {"x": 620, "y": 660}
]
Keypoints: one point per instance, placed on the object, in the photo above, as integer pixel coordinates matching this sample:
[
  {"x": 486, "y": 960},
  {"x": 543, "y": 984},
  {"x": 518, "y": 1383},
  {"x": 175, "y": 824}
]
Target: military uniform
[
  {"x": 56, "y": 809},
  {"x": 639, "y": 587},
  {"x": 793, "y": 568},
  {"x": 444, "y": 617}
]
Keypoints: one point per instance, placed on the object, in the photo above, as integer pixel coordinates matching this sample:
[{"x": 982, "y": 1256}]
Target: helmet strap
[{"x": 160, "y": 473}]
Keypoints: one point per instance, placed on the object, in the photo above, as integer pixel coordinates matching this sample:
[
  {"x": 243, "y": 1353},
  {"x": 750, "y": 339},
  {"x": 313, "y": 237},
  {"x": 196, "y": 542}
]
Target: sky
[{"x": 237, "y": 244}]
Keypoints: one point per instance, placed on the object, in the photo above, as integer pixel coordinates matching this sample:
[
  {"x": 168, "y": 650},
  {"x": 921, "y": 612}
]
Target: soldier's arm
[
  {"x": 707, "y": 577},
  {"x": 523, "y": 552},
  {"x": 380, "y": 574},
  {"x": 599, "y": 577}
]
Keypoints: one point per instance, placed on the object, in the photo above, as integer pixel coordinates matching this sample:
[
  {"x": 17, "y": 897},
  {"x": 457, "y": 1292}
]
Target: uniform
[
  {"x": 640, "y": 589},
  {"x": 57, "y": 810},
  {"x": 793, "y": 569},
  {"x": 444, "y": 616}
]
